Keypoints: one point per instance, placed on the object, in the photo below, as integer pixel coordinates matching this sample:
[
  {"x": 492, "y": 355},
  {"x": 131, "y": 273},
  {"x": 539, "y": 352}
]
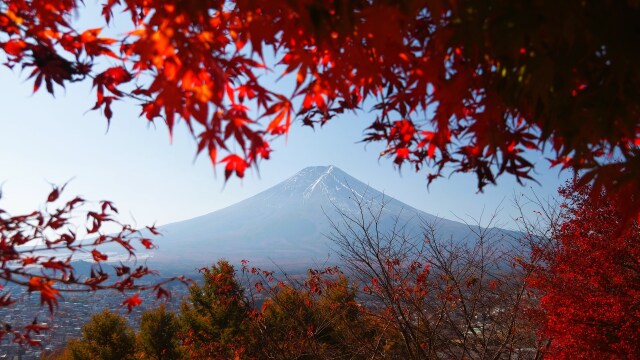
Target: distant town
[{"x": 73, "y": 311}]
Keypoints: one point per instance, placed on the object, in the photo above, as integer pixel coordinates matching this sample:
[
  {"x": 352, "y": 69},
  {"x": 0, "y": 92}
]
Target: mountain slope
[{"x": 284, "y": 224}]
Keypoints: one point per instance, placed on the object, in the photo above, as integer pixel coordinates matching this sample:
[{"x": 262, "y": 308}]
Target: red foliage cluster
[
  {"x": 590, "y": 281},
  {"x": 447, "y": 86},
  {"x": 37, "y": 250}
]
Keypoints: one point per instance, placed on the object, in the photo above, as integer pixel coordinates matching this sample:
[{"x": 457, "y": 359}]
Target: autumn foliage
[
  {"x": 469, "y": 85},
  {"x": 401, "y": 296},
  {"x": 590, "y": 281},
  {"x": 37, "y": 250},
  {"x": 454, "y": 86},
  {"x": 324, "y": 315}
]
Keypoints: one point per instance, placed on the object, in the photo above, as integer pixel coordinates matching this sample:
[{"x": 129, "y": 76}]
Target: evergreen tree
[
  {"x": 216, "y": 322},
  {"x": 107, "y": 336},
  {"x": 158, "y": 337}
]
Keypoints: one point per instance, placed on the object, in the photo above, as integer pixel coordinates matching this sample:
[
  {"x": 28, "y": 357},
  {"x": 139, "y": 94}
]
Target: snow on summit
[{"x": 285, "y": 224}]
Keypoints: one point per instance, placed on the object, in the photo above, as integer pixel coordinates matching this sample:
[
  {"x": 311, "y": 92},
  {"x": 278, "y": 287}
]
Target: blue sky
[{"x": 47, "y": 140}]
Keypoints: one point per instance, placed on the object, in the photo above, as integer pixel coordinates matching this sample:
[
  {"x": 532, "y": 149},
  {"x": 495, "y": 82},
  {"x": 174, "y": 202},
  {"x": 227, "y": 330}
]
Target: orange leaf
[
  {"x": 14, "y": 47},
  {"x": 98, "y": 256},
  {"x": 147, "y": 243},
  {"x": 53, "y": 196},
  {"x": 132, "y": 302},
  {"x": 90, "y": 35},
  {"x": 402, "y": 154},
  {"x": 30, "y": 260},
  {"x": 47, "y": 292},
  {"x": 275, "y": 123},
  {"x": 431, "y": 151},
  {"x": 308, "y": 101},
  {"x": 234, "y": 163},
  {"x": 213, "y": 154}
]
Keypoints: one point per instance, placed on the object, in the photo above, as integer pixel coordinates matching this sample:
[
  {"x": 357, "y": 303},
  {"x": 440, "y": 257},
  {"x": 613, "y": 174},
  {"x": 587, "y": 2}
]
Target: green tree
[
  {"x": 158, "y": 337},
  {"x": 216, "y": 322},
  {"x": 107, "y": 336}
]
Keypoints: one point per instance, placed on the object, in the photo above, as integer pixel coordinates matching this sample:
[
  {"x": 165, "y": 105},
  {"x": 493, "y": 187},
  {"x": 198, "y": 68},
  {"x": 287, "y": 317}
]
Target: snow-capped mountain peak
[
  {"x": 286, "y": 223},
  {"x": 322, "y": 182}
]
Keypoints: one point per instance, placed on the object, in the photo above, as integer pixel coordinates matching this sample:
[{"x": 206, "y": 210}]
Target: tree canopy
[
  {"x": 589, "y": 283},
  {"x": 158, "y": 337},
  {"x": 107, "y": 336},
  {"x": 215, "y": 323},
  {"x": 454, "y": 85}
]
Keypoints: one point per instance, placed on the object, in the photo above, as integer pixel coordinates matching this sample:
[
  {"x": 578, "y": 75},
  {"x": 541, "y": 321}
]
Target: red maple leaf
[{"x": 132, "y": 302}]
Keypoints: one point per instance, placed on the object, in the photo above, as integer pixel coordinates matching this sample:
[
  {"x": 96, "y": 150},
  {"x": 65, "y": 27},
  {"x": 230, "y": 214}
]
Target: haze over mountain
[{"x": 284, "y": 224}]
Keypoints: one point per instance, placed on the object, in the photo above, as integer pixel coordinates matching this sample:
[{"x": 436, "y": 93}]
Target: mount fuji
[{"x": 284, "y": 225}]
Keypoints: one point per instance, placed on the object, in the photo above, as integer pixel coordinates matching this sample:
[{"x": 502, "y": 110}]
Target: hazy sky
[{"x": 47, "y": 140}]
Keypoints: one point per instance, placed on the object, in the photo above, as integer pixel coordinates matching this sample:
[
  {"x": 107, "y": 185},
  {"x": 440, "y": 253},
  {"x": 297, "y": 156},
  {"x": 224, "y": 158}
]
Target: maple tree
[
  {"x": 474, "y": 86},
  {"x": 37, "y": 250},
  {"x": 588, "y": 281}
]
